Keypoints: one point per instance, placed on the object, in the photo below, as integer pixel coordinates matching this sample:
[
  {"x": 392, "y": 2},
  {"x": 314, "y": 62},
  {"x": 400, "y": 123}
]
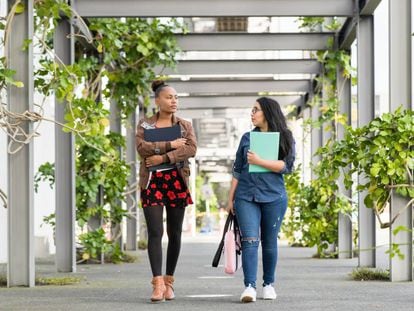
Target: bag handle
[{"x": 230, "y": 219}]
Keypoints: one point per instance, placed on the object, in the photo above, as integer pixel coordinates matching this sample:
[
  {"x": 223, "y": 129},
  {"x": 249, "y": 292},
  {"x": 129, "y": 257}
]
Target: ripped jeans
[{"x": 256, "y": 218}]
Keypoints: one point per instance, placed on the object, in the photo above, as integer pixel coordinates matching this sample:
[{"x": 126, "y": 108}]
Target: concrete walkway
[{"x": 303, "y": 284}]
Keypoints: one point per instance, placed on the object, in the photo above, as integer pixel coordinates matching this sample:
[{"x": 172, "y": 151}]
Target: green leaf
[
  {"x": 26, "y": 44},
  {"x": 374, "y": 171},
  {"x": 20, "y": 8},
  {"x": 391, "y": 172},
  {"x": 18, "y": 84},
  {"x": 400, "y": 229}
]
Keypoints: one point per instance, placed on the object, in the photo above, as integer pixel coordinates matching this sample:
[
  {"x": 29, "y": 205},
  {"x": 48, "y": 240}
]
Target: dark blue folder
[{"x": 163, "y": 134}]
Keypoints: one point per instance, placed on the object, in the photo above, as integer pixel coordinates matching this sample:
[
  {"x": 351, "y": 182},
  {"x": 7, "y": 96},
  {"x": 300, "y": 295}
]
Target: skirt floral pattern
[{"x": 166, "y": 188}]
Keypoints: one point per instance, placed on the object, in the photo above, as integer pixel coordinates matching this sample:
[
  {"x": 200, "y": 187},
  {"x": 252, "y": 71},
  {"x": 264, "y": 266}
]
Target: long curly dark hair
[{"x": 276, "y": 122}]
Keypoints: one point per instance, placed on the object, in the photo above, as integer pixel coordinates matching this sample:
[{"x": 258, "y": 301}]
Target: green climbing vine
[
  {"x": 382, "y": 152},
  {"x": 314, "y": 207},
  {"x": 115, "y": 62}
]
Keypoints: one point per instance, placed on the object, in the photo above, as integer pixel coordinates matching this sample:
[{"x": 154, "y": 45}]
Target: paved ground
[{"x": 303, "y": 284}]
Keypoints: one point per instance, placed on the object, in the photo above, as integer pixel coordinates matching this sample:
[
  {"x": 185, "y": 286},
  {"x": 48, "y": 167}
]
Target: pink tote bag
[{"x": 232, "y": 251}]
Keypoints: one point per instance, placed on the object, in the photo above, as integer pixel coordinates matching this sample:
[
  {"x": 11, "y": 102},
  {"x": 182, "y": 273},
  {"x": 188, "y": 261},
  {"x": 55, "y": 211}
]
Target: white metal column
[
  {"x": 132, "y": 203},
  {"x": 400, "y": 94},
  {"x": 64, "y": 165},
  {"x": 193, "y": 211},
  {"x": 327, "y": 128},
  {"x": 307, "y": 155},
  {"x": 316, "y": 138},
  {"x": 21, "y": 264},
  {"x": 344, "y": 221},
  {"x": 116, "y": 127},
  {"x": 366, "y": 217}
]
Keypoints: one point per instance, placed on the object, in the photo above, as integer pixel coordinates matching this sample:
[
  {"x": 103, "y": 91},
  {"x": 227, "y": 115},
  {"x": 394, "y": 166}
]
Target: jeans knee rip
[{"x": 251, "y": 240}]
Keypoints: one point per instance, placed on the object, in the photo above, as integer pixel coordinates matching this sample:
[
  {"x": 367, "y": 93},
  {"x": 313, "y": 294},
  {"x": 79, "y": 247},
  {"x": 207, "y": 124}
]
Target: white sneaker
[
  {"x": 248, "y": 295},
  {"x": 269, "y": 292}
]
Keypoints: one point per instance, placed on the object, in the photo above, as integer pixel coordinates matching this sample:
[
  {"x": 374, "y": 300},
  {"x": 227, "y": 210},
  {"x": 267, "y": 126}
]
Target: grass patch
[
  {"x": 63, "y": 280},
  {"x": 120, "y": 258},
  {"x": 130, "y": 259},
  {"x": 326, "y": 255},
  {"x": 370, "y": 274}
]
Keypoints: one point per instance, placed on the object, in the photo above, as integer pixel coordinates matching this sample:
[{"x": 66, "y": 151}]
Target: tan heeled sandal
[
  {"x": 158, "y": 289},
  {"x": 169, "y": 289}
]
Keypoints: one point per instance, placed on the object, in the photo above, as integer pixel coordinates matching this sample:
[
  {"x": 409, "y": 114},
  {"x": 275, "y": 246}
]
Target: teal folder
[{"x": 266, "y": 146}]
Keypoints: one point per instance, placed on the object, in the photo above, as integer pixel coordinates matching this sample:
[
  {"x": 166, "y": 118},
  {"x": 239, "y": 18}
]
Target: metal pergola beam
[
  {"x": 238, "y": 67},
  {"x": 131, "y": 200},
  {"x": 116, "y": 127},
  {"x": 253, "y": 41},
  {"x": 316, "y": 138},
  {"x": 21, "y": 261},
  {"x": 204, "y": 8},
  {"x": 367, "y": 7},
  {"x": 400, "y": 79},
  {"x": 64, "y": 165},
  {"x": 241, "y": 86},
  {"x": 215, "y": 102},
  {"x": 344, "y": 221},
  {"x": 347, "y": 34},
  {"x": 232, "y": 113},
  {"x": 366, "y": 113}
]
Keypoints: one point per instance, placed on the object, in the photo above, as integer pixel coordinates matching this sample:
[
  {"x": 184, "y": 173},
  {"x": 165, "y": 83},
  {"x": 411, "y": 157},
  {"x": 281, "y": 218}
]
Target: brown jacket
[{"x": 146, "y": 149}]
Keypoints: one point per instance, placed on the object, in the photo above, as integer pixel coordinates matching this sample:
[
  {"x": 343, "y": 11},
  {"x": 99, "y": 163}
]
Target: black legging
[{"x": 153, "y": 217}]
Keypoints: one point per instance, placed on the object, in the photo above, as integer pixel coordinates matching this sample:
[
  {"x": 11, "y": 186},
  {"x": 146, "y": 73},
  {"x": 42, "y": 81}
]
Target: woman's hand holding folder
[
  {"x": 154, "y": 160},
  {"x": 177, "y": 143},
  {"x": 253, "y": 158}
]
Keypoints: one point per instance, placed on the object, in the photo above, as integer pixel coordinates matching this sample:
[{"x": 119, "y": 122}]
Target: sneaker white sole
[{"x": 269, "y": 298}]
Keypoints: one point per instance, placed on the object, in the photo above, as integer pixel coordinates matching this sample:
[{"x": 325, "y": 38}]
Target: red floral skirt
[{"x": 166, "y": 188}]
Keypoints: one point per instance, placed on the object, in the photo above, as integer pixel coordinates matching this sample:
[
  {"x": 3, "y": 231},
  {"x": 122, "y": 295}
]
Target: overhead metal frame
[
  {"x": 208, "y": 8},
  {"x": 158, "y": 8},
  {"x": 228, "y": 41},
  {"x": 240, "y": 86},
  {"x": 347, "y": 34},
  {"x": 234, "y": 101},
  {"x": 247, "y": 66},
  {"x": 368, "y": 7}
]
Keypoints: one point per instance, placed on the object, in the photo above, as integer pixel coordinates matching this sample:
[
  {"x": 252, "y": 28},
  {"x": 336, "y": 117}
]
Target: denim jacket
[{"x": 259, "y": 187}]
